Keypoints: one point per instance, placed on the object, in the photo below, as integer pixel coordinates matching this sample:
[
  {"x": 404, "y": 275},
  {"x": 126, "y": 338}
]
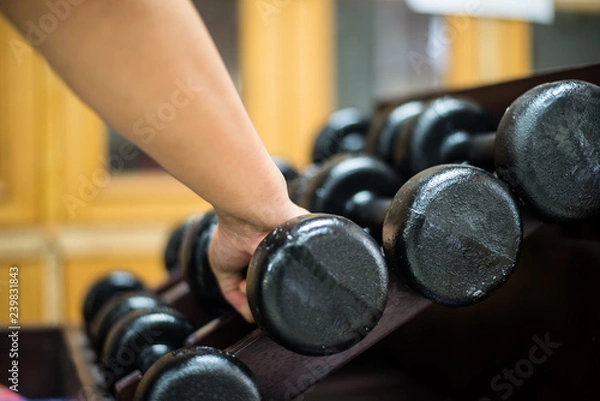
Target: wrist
[{"x": 253, "y": 222}]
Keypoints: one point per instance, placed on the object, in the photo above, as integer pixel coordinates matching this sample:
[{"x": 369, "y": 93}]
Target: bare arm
[{"x": 150, "y": 69}]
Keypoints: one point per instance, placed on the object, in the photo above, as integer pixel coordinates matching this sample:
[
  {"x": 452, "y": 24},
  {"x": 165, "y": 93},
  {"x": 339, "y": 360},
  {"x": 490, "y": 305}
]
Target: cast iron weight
[
  {"x": 171, "y": 253},
  {"x": 116, "y": 308},
  {"x": 452, "y": 232},
  {"x": 344, "y": 132},
  {"x": 546, "y": 147},
  {"x": 140, "y": 338},
  {"x": 104, "y": 289},
  {"x": 381, "y": 143},
  {"x": 357, "y": 187},
  {"x": 317, "y": 284},
  {"x": 198, "y": 373},
  {"x": 548, "y": 150}
]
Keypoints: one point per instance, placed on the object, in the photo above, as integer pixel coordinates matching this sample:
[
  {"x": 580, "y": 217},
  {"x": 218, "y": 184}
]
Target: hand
[{"x": 233, "y": 244}]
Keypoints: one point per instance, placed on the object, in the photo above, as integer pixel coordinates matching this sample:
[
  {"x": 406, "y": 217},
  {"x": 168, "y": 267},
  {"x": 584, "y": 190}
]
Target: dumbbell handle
[
  {"x": 477, "y": 149},
  {"x": 150, "y": 355},
  {"x": 368, "y": 211}
]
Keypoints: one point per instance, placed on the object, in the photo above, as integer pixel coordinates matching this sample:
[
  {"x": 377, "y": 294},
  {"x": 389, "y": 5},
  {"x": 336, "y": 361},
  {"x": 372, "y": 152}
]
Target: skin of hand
[
  {"x": 127, "y": 59},
  {"x": 231, "y": 248}
]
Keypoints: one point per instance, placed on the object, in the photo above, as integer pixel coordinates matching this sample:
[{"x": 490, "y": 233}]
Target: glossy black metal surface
[
  {"x": 317, "y": 284},
  {"x": 381, "y": 143},
  {"x": 115, "y": 309},
  {"x": 113, "y": 284},
  {"x": 548, "y": 150},
  {"x": 171, "y": 254},
  {"x": 346, "y": 185},
  {"x": 426, "y": 133},
  {"x": 194, "y": 261},
  {"x": 198, "y": 373},
  {"x": 140, "y": 330},
  {"x": 344, "y": 132},
  {"x": 453, "y": 233}
]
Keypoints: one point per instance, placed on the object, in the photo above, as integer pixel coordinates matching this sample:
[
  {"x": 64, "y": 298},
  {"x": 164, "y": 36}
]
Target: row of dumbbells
[
  {"x": 451, "y": 228},
  {"x": 318, "y": 284},
  {"x": 134, "y": 330}
]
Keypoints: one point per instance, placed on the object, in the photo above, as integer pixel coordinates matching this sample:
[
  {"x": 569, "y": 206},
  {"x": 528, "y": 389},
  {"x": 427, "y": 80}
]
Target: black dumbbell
[
  {"x": 140, "y": 338},
  {"x": 548, "y": 150},
  {"x": 546, "y": 146},
  {"x": 198, "y": 373},
  {"x": 453, "y": 232},
  {"x": 115, "y": 309},
  {"x": 171, "y": 253},
  {"x": 344, "y": 132},
  {"x": 345, "y": 184},
  {"x": 193, "y": 258},
  {"x": 115, "y": 283},
  {"x": 317, "y": 284},
  {"x": 381, "y": 143}
]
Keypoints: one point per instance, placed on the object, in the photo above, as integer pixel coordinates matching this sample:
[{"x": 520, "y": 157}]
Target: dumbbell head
[
  {"x": 141, "y": 337},
  {"x": 342, "y": 179},
  {"x": 453, "y": 233},
  {"x": 422, "y": 137},
  {"x": 296, "y": 186},
  {"x": 317, "y": 284},
  {"x": 171, "y": 254},
  {"x": 113, "y": 284},
  {"x": 115, "y": 309},
  {"x": 548, "y": 150},
  {"x": 194, "y": 261},
  {"x": 198, "y": 373},
  {"x": 344, "y": 132},
  {"x": 381, "y": 143}
]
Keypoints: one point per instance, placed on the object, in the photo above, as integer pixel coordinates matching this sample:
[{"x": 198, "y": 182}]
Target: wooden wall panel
[
  {"x": 287, "y": 59},
  {"x": 486, "y": 50}
]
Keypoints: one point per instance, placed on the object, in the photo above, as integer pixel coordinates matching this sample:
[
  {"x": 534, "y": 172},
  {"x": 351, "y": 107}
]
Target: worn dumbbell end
[
  {"x": 381, "y": 143},
  {"x": 194, "y": 261},
  {"x": 115, "y": 309},
  {"x": 442, "y": 133},
  {"x": 140, "y": 338},
  {"x": 548, "y": 150},
  {"x": 344, "y": 132},
  {"x": 453, "y": 233},
  {"x": 349, "y": 186},
  {"x": 317, "y": 284},
  {"x": 546, "y": 146},
  {"x": 113, "y": 284},
  {"x": 198, "y": 373}
]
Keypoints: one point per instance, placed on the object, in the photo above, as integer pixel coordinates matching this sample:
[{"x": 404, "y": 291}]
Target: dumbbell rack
[{"x": 407, "y": 315}]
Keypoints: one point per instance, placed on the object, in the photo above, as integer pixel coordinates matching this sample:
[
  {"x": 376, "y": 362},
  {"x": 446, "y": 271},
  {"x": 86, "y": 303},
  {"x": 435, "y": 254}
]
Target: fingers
[
  {"x": 231, "y": 248},
  {"x": 228, "y": 263},
  {"x": 233, "y": 287}
]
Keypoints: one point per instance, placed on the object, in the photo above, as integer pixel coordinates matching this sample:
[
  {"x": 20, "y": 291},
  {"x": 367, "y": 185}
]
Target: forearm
[{"x": 150, "y": 69}]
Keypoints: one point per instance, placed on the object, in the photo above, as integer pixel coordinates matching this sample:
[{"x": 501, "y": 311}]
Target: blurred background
[{"x": 77, "y": 200}]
